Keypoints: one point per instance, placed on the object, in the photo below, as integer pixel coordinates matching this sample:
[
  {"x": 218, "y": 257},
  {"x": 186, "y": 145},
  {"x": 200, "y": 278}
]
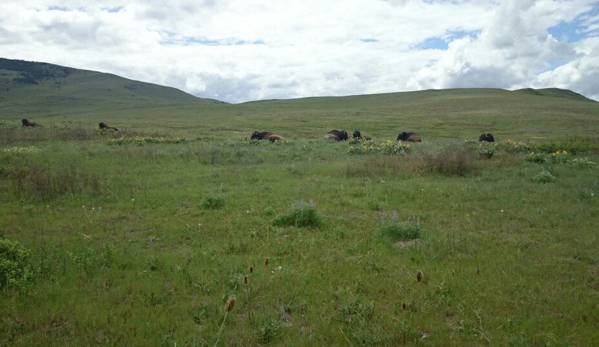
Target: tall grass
[{"x": 451, "y": 161}]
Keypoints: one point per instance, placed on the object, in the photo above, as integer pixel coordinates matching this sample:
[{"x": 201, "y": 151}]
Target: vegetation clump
[
  {"x": 212, "y": 202},
  {"x": 544, "y": 176},
  {"x": 301, "y": 214},
  {"x": 558, "y": 157},
  {"x": 576, "y": 146},
  {"x": 393, "y": 230},
  {"x": 361, "y": 146},
  {"x": 451, "y": 161},
  {"x": 142, "y": 140},
  {"x": 16, "y": 270}
]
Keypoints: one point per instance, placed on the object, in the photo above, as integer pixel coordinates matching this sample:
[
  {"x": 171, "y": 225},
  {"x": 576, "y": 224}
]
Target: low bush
[
  {"x": 558, "y": 157},
  {"x": 544, "y": 176},
  {"x": 578, "y": 146},
  {"x": 16, "y": 270},
  {"x": 394, "y": 230},
  {"x": 212, "y": 202},
  {"x": 301, "y": 214},
  {"x": 359, "y": 146}
]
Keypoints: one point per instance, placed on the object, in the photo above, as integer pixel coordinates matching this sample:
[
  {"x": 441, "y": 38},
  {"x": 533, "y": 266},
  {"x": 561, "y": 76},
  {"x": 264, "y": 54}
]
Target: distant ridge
[
  {"x": 47, "y": 90},
  {"x": 26, "y": 83},
  {"x": 554, "y": 92}
]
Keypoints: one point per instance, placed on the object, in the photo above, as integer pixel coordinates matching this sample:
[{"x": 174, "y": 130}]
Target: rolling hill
[{"x": 34, "y": 87}]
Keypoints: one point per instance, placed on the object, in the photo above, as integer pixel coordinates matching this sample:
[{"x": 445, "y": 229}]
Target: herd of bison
[
  {"x": 337, "y": 135},
  {"x": 341, "y": 135}
]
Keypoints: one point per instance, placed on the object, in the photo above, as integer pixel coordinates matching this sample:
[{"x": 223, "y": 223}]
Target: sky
[{"x": 244, "y": 50}]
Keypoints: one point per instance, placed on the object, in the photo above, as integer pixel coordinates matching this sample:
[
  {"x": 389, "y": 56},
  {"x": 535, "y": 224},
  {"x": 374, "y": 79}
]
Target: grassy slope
[
  {"x": 65, "y": 92},
  {"x": 90, "y": 97},
  {"x": 131, "y": 255}
]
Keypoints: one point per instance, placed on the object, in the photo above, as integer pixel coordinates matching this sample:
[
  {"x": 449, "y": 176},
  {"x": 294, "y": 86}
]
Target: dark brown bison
[
  {"x": 411, "y": 137},
  {"x": 106, "y": 126},
  {"x": 266, "y": 135},
  {"x": 337, "y": 135},
  {"x": 260, "y": 135},
  {"x": 358, "y": 135},
  {"x": 486, "y": 137},
  {"x": 27, "y": 123}
]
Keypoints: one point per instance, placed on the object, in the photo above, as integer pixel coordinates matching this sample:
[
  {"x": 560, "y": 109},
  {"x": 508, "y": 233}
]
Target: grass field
[{"x": 144, "y": 236}]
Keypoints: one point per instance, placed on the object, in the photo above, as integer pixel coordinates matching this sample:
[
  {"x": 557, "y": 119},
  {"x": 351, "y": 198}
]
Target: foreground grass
[
  {"x": 141, "y": 237},
  {"x": 144, "y": 243}
]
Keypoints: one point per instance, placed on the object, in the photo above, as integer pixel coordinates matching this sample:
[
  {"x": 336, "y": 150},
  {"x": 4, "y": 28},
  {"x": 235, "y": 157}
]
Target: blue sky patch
[
  {"x": 578, "y": 29},
  {"x": 434, "y": 43},
  {"x": 442, "y": 42},
  {"x": 113, "y": 9},
  {"x": 369, "y": 40},
  {"x": 553, "y": 64},
  {"x": 570, "y": 32}
]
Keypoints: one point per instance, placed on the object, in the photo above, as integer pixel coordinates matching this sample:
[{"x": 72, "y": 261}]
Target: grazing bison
[
  {"x": 358, "y": 135},
  {"x": 337, "y": 135},
  {"x": 411, "y": 137},
  {"x": 27, "y": 123},
  {"x": 266, "y": 135},
  {"x": 486, "y": 137},
  {"x": 106, "y": 126}
]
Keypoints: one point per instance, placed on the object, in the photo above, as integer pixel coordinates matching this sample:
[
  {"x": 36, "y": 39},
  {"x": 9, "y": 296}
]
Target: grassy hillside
[
  {"x": 46, "y": 90},
  {"x": 144, "y": 236},
  {"x": 68, "y": 95}
]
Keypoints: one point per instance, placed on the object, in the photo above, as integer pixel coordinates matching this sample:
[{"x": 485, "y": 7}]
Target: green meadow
[{"x": 178, "y": 230}]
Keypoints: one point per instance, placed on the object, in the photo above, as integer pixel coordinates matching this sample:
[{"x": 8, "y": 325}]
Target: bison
[
  {"x": 106, "y": 126},
  {"x": 28, "y": 123},
  {"x": 266, "y": 135},
  {"x": 486, "y": 137},
  {"x": 337, "y": 135},
  {"x": 275, "y": 137},
  {"x": 411, "y": 137},
  {"x": 358, "y": 135}
]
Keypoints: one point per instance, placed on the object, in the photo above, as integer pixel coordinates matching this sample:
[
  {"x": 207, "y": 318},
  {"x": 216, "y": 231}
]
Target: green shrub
[
  {"x": 558, "y": 157},
  {"x": 575, "y": 147},
  {"x": 511, "y": 146},
  {"x": 536, "y": 157},
  {"x": 582, "y": 163},
  {"x": 484, "y": 149},
  {"x": 360, "y": 146},
  {"x": 301, "y": 214},
  {"x": 16, "y": 270},
  {"x": 544, "y": 176},
  {"x": 394, "y": 231},
  {"x": 374, "y": 204},
  {"x": 212, "y": 202}
]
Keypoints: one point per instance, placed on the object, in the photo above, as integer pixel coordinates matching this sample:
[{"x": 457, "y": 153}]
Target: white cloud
[{"x": 237, "y": 51}]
